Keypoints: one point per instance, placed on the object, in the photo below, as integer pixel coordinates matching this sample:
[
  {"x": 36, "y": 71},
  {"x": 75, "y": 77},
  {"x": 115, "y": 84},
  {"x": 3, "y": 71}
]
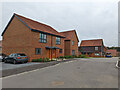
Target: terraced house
[{"x": 36, "y": 40}]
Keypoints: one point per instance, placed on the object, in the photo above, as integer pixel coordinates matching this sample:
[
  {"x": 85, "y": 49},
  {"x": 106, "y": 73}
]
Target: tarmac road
[{"x": 80, "y": 73}]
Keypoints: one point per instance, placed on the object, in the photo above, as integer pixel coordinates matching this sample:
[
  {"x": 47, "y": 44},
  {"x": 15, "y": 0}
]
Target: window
[
  {"x": 42, "y": 38},
  {"x": 96, "y": 54},
  {"x": 11, "y": 55},
  {"x": 96, "y": 48},
  {"x": 37, "y": 51},
  {"x": 60, "y": 50},
  {"x": 83, "y": 53},
  {"x": 73, "y": 52},
  {"x": 73, "y": 43},
  {"x": 57, "y": 40},
  {"x": 21, "y": 54},
  {"x": 88, "y": 53}
]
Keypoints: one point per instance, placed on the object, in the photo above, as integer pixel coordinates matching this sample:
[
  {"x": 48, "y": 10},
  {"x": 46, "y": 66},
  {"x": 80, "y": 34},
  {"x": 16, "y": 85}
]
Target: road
[{"x": 80, "y": 73}]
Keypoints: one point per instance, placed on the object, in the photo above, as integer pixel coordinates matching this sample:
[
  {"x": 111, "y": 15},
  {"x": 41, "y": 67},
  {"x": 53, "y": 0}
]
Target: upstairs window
[
  {"x": 96, "y": 48},
  {"x": 73, "y": 43},
  {"x": 57, "y": 40},
  {"x": 42, "y": 38},
  {"x": 37, "y": 51}
]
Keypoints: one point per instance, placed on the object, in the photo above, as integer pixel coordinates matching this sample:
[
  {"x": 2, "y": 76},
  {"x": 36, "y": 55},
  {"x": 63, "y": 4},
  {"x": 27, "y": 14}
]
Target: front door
[
  {"x": 53, "y": 53},
  {"x": 48, "y": 53}
]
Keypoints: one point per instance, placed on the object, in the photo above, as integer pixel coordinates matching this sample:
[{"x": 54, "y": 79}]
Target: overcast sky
[{"x": 91, "y": 20}]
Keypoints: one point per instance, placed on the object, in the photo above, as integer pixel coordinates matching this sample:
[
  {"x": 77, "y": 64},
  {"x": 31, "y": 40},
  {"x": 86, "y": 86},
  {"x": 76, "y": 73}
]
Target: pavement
[{"x": 79, "y": 73}]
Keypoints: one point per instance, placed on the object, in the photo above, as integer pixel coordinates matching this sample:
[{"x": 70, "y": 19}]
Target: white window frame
[{"x": 96, "y": 48}]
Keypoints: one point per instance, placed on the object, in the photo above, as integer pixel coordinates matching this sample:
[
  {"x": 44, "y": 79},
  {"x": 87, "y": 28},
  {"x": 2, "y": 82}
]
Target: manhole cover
[{"x": 55, "y": 83}]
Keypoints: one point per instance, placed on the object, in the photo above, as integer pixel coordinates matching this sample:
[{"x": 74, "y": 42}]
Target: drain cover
[{"x": 55, "y": 83}]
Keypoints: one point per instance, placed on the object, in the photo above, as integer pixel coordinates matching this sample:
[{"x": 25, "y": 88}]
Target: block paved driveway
[{"x": 81, "y": 73}]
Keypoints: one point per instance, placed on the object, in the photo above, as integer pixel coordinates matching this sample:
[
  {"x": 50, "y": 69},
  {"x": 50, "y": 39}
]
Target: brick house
[
  {"x": 36, "y": 40},
  {"x": 112, "y": 51},
  {"x": 70, "y": 43},
  {"x": 93, "y": 48}
]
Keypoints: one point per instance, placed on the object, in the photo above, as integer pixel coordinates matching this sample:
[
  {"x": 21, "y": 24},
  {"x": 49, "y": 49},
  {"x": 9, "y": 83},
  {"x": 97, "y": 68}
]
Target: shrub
[
  {"x": 82, "y": 56},
  {"x": 34, "y": 60},
  {"x": 61, "y": 56},
  {"x": 41, "y": 60},
  {"x": 74, "y": 56},
  {"x": 66, "y": 57},
  {"x": 47, "y": 59}
]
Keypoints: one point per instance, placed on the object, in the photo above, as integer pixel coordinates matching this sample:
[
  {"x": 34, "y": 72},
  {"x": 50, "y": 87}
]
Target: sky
[{"x": 92, "y": 19}]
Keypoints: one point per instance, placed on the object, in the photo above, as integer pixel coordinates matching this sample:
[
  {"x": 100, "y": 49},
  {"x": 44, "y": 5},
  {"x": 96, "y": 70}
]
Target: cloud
[{"x": 90, "y": 19}]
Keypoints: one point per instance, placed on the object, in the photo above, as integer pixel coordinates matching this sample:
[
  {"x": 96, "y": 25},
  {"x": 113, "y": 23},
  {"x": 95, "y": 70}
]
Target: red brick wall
[
  {"x": 69, "y": 47},
  {"x": 36, "y": 44},
  {"x": 75, "y": 47},
  {"x": 112, "y": 51},
  {"x": 19, "y": 39},
  {"x": 16, "y": 39}
]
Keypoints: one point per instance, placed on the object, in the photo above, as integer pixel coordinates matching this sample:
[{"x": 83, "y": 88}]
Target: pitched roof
[
  {"x": 37, "y": 26},
  {"x": 69, "y": 34},
  {"x": 94, "y": 42}
]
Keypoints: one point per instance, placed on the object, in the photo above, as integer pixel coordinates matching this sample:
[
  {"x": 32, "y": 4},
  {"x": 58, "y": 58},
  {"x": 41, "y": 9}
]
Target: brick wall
[
  {"x": 20, "y": 39},
  {"x": 75, "y": 46},
  {"x": 16, "y": 38},
  {"x": 45, "y": 52},
  {"x": 69, "y": 47}
]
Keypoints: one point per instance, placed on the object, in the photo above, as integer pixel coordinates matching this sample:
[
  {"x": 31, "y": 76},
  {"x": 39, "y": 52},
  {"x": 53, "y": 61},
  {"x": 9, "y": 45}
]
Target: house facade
[
  {"x": 36, "y": 40},
  {"x": 92, "y": 48},
  {"x": 113, "y": 52},
  {"x": 70, "y": 43}
]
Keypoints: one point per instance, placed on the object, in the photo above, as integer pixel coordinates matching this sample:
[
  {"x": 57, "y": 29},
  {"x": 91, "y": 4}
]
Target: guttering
[{"x": 46, "y": 33}]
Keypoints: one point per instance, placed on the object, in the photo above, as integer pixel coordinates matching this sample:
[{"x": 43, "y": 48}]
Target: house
[
  {"x": 35, "y": 39},
  {"x": 70, "y": 43},
  {"x": 112, "y": 51},
  {"x": 92, "y": 48},
  {"x": 118, "y": 51},
  {"x": 0, "y": 47}
]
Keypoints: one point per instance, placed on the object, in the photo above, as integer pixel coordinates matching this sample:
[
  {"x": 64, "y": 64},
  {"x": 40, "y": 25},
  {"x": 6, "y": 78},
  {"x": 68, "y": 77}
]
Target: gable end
[{"x": 11, "y": 21}]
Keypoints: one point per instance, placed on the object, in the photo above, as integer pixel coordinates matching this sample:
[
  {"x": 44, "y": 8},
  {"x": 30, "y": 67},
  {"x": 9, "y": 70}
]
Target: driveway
[
  {"x": 6, "y": 66},
  {"x": 80, "y": 73}
]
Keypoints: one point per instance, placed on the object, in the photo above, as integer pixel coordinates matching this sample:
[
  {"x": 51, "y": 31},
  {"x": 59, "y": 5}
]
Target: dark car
[{"x": 16, "y": 57}]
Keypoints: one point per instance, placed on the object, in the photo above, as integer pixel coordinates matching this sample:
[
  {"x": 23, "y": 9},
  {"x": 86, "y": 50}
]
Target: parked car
[
  {"x": 2, "y": 57},
  {"x": 108, "y": 55},
  {"x": 16, "y": 57}
]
